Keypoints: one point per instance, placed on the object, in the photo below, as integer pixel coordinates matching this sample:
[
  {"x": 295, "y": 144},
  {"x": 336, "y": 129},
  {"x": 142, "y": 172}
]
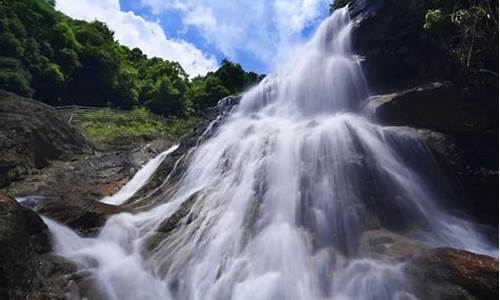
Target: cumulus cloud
[
  {"x": 267, "y": 29},
  {"x": 135, "y": 31}
]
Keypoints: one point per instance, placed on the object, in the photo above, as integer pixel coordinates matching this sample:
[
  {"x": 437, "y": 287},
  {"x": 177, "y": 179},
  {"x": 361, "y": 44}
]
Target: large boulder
[
  {"x": 31, "y": 135},
  {"x": 397, "y": 51},
  {"x": 440, "y": 106},
  {"x": 421, "y": 83},
  {"x": 27, "y": 269},
  {"x": 445, "y": 273},
  {"x": 435, "y": 273},
  {"x": 84, "y": 215},
  {"x": 461, "y": 131}
]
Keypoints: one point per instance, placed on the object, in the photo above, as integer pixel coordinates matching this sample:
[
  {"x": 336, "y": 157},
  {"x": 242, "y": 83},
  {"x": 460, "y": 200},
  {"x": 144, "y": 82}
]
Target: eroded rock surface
[
  {"x": 31, "y": 135},
  {"x": 436, "y": 273},
  {"x": 27, "y": 269}
]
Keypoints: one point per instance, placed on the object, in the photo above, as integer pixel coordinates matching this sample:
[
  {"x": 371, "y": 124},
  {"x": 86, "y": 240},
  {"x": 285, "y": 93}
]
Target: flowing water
[
  {"x": 139, "y": 179},
  {"x": 283, "y": 195}
]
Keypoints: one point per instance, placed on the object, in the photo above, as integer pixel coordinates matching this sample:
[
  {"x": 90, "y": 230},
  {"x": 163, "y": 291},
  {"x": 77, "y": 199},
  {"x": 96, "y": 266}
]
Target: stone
[
  {"x": 27, "y": 269},
  {"x": 31, "y": 135}
]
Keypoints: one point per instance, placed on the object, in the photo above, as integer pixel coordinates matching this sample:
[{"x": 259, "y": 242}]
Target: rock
[
  {"x": 387, "y": 246},
  {"x": 31, "y": 135},
  {"x": 177, "y": 219},
  {"x": 173, "y": 167},
  {"x": 421, "y": 84},
  {"x": 69, "y": 191},
  {"x": 397, "y": 51},
  {"x": 27, "y": 269},
  {"x": 437, "y": 106},
  {"x": 435, "y": 273},
  {"x": 86, "y": 216},
  {"x": 461, "y": 131},
  {"x": 445, "y": 273},
  {"x": 470, "y": 163}
]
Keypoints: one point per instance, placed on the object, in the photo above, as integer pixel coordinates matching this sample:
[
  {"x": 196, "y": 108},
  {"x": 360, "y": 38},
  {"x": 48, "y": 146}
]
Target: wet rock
[
  {"x": 27, "y": 269},
  {"x": 470, "y": 163},
  {"x": 173, "y": 167},
  {"x": 400, "y": 53},
  {"x": 31, "y": 135},
  {"x": 84, "y": 215},
  {"x": 182, "y": 216},
  {"x": 69, "y": 191},
  {"x": 462, "y": 132},
  {"x": 435, "y": 273},
  {"x": 445, "y": 273},
  {"x": 439, "y": 106},
  {"x": 388, "y": 246},
  {"x": 397, "y": 51}
]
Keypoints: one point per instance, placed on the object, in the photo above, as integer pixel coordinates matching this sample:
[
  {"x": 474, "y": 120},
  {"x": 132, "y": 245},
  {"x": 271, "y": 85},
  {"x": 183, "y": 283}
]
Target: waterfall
[
  {"x": 139, "y": 179},
  {"x": 276, "y": 203}
]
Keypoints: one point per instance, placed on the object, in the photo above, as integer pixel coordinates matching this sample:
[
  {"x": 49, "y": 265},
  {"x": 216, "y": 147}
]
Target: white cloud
[
  {"x": 135, "y": 31},
  {"x": 267, "y": 29}
]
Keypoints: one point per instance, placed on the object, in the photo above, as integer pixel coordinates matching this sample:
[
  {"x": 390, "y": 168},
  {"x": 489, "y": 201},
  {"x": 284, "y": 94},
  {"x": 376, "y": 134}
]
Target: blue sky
[{"x": 258, "y": 34}]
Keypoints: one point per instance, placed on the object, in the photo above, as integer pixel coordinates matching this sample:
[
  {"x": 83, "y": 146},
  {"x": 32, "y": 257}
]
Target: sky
[{"x": 199, "y": 34}]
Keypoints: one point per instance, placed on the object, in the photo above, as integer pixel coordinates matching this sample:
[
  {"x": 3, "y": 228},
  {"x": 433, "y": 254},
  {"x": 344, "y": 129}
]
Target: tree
[
  {"x": 64, "y": 61},
  {"x": 232, "y": 76}
]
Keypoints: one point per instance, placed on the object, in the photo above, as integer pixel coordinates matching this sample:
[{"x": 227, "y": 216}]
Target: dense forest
[{"x": 60, "y": 61}]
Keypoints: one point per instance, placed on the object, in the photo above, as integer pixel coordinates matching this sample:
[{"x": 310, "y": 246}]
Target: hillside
[{"x": 60, "y": 61}]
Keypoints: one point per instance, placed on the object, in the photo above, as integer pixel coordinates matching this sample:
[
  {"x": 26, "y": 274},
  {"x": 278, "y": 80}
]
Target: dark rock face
[
  {"x": 462, "y": 132},
  {"x": 85, "y": 215},
  {"x": 31, "y": 135},
  {"x": 470, "y": 162},
  {"x": 445, "y": 273},
  {"x": 68, "y": 191},
  {"x": 436, "y": 106},
  {"x": 420, "y": 85},
  {"x": 398, "y": 52},
  {"x": 436, "y": 273},
  {"x": 27, "y": 270}
]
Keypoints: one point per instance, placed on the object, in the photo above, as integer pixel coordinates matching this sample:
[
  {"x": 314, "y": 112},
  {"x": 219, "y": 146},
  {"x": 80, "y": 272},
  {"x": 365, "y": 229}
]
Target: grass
[{"x": 106, "y": 125}]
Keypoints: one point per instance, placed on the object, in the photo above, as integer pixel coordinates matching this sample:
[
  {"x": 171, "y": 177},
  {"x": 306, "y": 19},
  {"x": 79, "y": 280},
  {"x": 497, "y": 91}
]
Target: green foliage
[
  {"x": 205, "y": 93},
  {"x": 107, "y": 125},
  {"x": 336, "y": 4},
  {"x": 67, "y": 62},
  {"x": 469, "y": 30},
  {"x": 53, "y": 83},
  {"x": 433, "y": 18},
  {"x": 13, "y": 77}
]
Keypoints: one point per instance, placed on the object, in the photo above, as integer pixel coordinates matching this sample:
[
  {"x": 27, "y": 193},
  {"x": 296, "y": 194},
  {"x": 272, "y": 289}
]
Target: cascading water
[
  {"x": 139, "y": 179},
  {"x": 280, "y": 197}
]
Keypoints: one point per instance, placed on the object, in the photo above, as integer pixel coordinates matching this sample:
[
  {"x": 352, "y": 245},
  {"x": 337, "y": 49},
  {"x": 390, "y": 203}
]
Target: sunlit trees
[{"x": 62, "y": 61}]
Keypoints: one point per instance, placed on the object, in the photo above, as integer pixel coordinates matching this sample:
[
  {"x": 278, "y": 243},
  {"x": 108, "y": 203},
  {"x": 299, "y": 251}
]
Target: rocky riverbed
[{"x": 50, "y": 167}]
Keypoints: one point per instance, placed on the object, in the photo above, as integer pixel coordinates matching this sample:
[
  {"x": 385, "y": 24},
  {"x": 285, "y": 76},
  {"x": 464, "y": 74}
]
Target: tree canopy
[{"x": 60, "y": 61}]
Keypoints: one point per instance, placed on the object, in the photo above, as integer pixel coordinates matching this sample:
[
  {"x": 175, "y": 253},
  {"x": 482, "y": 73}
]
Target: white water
[
  {"x": 284, "y": 192},
  {"x": 139, "y": 179}
]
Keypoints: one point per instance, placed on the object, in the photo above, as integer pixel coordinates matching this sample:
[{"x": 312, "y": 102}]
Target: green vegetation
[
  {"x": 336, "y": 4},
  {"x": 61, "y": 61},
  {"x": 469, "y": 30},
  {"x": 107, "y": 125}
]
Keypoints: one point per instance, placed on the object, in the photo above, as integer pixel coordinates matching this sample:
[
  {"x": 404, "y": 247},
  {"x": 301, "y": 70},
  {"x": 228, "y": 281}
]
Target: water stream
[
  {"x": 140, "y": 178},
  {"x": 283, "y": 194}
]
